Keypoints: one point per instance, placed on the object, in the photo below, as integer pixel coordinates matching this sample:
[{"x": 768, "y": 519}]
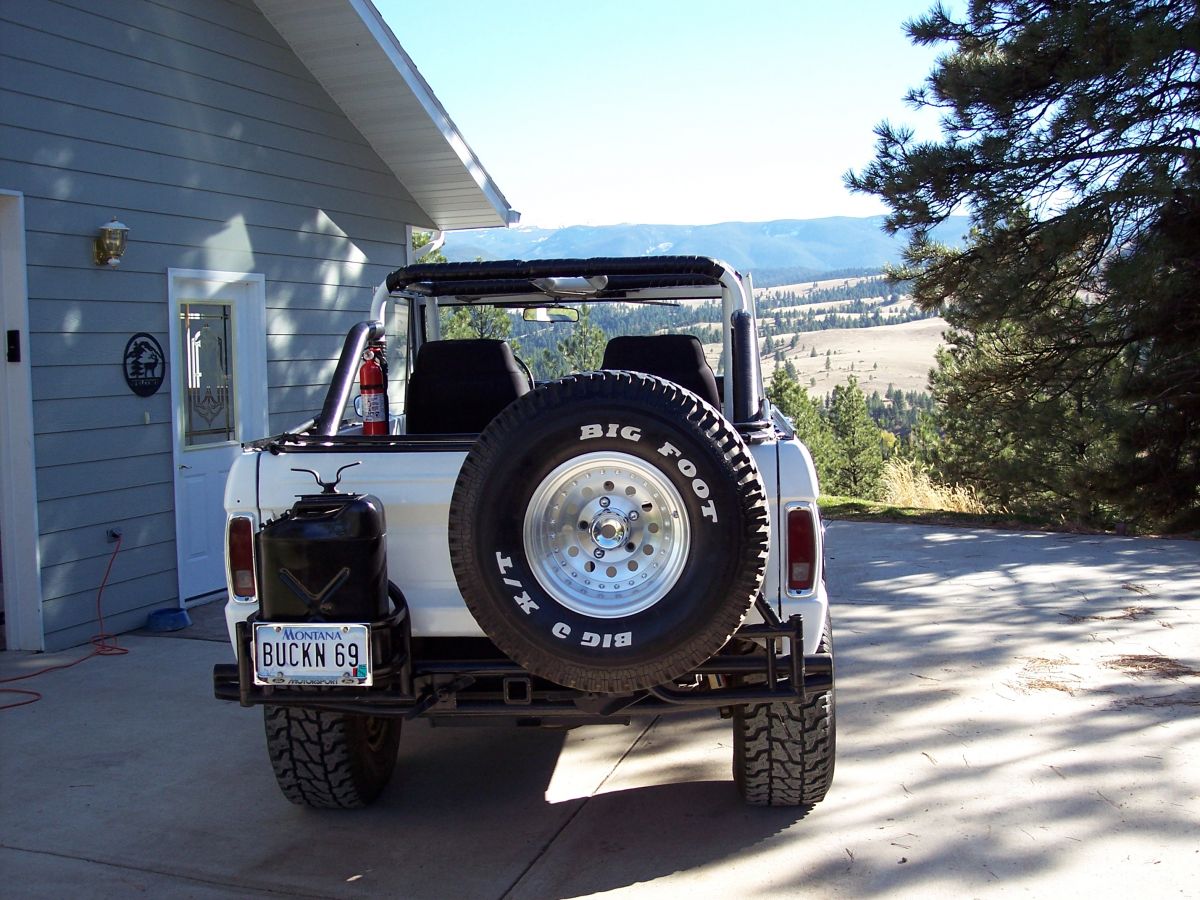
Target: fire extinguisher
[{"x": 373, "y": 390}]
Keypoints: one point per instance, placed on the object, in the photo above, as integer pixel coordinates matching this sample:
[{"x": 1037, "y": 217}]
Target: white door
[
  {"x": 20, "y": 565},
  {"x": 219, "y": 399}
]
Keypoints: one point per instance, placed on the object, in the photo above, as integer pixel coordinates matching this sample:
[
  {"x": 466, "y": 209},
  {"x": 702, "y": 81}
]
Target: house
[{"x": 270, "y": 159}]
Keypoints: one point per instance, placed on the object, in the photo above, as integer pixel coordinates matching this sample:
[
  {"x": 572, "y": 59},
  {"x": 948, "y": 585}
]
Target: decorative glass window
[{"x": 207, "y": 334}]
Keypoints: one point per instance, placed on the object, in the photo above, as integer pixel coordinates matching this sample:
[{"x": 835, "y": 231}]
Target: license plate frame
[{"x": 329, "y": 654}]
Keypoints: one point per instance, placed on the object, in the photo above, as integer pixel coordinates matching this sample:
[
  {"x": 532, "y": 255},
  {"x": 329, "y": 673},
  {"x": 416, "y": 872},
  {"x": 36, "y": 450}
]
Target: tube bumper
[{"x": 458, "y": 691}]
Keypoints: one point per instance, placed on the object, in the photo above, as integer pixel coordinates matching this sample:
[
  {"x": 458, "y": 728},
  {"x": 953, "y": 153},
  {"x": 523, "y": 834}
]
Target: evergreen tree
[
  {"x": 467, "y": 322},
  {"x": 583, "y": 349},
  {"x": 860, "y": 463},
  {"x": 1071, "y": 135},
  {"x": 421, "y": 239},
  {"x": 805, "y": 415}
]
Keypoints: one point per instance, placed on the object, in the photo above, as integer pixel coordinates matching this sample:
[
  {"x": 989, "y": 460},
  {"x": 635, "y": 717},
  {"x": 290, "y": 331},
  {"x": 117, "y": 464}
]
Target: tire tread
[
  {"x": 784, "y": 753},
  {"x": 322, "y": 759}
]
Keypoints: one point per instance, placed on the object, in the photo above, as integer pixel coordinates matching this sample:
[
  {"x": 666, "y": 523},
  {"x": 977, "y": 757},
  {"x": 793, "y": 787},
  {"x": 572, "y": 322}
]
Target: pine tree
[
  {"x": 811, "y": 427},
  {"x": 857, "y": 438},
  {"x": 422, "y": 239},
  {"x": 1071, "y": 136},
  {"x": 467, "y": 322},
  {"x": 583, "y": 349}
]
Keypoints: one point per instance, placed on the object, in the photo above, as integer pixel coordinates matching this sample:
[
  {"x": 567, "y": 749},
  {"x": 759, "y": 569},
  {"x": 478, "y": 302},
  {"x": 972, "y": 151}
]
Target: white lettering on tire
[
  {"x": 526, "y": 603},
  {"x": 626, "y": 432},
  {"x": 523, "y": 600},
  {"x": 561, "y": 630},
  {"x": 592, "y": 639},
  {"x": 687, "y": 469}
]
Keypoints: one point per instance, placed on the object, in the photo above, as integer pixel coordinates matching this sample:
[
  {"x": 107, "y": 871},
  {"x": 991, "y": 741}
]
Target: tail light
[
  {"x": 801, "y": 549},
  {"x": 241, "y": 556}
]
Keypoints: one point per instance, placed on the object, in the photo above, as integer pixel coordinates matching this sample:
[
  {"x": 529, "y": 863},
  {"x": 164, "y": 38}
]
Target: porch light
[{"x": 109, "y": 245}]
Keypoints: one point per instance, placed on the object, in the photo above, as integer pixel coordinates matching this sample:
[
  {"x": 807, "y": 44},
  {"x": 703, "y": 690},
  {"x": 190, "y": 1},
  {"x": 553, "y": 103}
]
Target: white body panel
[
  {"x": 797, "y": 483},
  {"x": 415, "y": 487}
]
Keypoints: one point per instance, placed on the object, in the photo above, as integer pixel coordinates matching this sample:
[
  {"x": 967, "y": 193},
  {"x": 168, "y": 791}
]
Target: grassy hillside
[{"x": 898, "y": 354}]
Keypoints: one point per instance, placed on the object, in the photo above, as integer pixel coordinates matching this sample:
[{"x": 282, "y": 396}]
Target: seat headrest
[
  {"x": 469, "y": 357},
  {"x": 675, "y": 357},
  {"x": 662, "y": 351}
]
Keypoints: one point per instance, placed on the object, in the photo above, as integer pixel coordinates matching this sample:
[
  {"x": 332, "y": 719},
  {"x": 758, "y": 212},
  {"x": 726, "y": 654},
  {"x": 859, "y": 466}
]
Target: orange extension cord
[{"x": 103, "y": 644}]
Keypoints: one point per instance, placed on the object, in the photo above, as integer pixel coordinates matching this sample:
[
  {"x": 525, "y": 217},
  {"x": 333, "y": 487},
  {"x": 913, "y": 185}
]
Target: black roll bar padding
[
  {"x": 326, "y": 423},
  {"x": 618, "y": 285},
  {"x": 746, "y": 403},
  {"x": 515, "y": 270}
]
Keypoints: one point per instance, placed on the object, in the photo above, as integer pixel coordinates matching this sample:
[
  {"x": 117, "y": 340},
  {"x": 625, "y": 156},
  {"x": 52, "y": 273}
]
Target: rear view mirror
[{"x": 550, "y": 314}]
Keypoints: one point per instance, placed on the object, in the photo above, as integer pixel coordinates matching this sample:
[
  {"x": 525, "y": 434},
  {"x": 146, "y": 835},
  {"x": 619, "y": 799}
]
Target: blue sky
[{"x": 669, "y": 111}]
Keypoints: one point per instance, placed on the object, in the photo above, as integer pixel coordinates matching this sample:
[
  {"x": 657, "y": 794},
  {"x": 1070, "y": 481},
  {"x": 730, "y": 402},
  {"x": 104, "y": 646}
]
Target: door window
[{"x": 206, "y": 332}]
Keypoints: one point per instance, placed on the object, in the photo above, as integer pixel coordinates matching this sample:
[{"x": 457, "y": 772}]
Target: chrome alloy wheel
[{"x": 606, "y": 535}]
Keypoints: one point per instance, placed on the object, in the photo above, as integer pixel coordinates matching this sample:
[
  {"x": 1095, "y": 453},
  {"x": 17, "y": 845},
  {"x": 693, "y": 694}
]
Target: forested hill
[{"x": 807, "y": 246}]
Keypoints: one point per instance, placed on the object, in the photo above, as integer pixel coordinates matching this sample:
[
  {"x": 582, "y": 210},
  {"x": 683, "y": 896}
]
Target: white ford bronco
[{"x": 482, "y": 547}]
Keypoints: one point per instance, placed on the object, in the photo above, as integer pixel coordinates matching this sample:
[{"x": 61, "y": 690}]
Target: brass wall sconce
[{"x": 109, "y": 245}]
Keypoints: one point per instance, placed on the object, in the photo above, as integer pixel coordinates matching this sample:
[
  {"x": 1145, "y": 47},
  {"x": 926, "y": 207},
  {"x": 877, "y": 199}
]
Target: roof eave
[{"x": 359, "y": 62}]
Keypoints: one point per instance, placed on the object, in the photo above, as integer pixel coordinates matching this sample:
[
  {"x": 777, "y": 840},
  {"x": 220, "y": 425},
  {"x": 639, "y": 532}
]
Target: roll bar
[{"x": 595, "y": 278}]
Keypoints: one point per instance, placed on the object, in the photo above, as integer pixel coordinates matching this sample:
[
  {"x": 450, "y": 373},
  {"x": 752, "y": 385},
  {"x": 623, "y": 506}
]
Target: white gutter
[{"x": 433, "y": 108}]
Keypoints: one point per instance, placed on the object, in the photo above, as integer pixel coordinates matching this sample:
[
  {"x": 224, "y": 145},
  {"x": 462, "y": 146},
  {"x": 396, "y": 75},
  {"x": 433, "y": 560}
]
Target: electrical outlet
[{"x": 114, "y": 535}]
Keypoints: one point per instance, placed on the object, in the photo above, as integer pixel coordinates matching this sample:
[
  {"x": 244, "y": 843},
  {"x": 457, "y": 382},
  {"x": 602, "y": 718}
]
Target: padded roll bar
[{"x": 326, "y": 424}]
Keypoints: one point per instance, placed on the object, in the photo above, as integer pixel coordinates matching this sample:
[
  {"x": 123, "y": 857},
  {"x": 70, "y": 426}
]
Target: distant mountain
[{"x": 808, "y": 245}]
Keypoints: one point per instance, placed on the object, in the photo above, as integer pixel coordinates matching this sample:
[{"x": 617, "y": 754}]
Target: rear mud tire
[
  {"x": 783, "y": 753},
  {"x": 329, "y": 760}
]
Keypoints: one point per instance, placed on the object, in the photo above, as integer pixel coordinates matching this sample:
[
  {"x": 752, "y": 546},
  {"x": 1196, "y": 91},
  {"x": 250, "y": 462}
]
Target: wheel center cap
[{"x": 609, "y": 530}]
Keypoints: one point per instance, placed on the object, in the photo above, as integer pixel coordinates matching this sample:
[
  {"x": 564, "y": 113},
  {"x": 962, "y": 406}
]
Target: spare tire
[{"x": 609, "y": 531}]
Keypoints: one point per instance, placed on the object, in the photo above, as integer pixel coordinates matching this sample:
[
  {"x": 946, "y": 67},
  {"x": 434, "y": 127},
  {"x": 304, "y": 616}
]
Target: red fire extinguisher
[{"x": 373, "y": 391}]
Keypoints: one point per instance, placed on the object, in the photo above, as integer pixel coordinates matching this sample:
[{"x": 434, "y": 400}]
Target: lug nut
[
  {"x": 633, "y": 515},
  {"x": 598, "y": 553},
  {"x": 605, "y": 502}
]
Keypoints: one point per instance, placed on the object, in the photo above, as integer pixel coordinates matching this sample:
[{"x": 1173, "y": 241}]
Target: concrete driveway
[{"x": 1018, "y": 713}]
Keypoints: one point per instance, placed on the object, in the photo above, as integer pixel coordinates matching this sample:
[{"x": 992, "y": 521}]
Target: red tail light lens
[
  {"x": 801, "y": 550},
  {"x": 241, "y": 556}
]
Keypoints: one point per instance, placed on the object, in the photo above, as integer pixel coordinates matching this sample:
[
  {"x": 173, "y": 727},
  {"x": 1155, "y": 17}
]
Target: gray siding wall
[{"x": 193, "y": 123}]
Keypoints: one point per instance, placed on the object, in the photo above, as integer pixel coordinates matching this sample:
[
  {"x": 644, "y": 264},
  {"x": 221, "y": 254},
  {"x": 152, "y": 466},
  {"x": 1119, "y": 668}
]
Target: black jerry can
[{"x": 325, "y": 560}]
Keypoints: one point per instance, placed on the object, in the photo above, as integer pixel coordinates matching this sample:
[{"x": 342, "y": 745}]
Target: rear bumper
[{"x": 487, "y": 691}]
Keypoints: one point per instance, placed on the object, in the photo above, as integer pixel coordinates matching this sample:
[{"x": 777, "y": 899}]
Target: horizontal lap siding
[{"x": 220, "y": 152}]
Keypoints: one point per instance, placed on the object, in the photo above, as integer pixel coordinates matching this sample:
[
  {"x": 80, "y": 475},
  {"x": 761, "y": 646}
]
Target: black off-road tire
[
  {"x": 677, "y": 486},
  {"x": 783, "y": 753},
  {"x": 330, "y": 760}
]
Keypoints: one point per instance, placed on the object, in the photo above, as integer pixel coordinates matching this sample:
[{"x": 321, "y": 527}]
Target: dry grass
[
  {"x": 1041, "y": 674},
  {"x": 1131, "y": 614},
  {"x": 904, "y": 484},
  {"x": 1154, "y": 666}
]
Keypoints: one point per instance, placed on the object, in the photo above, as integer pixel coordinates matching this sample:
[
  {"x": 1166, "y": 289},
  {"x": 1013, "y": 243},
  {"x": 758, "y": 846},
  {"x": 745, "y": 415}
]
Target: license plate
[{"x": 301, "y": 653}]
